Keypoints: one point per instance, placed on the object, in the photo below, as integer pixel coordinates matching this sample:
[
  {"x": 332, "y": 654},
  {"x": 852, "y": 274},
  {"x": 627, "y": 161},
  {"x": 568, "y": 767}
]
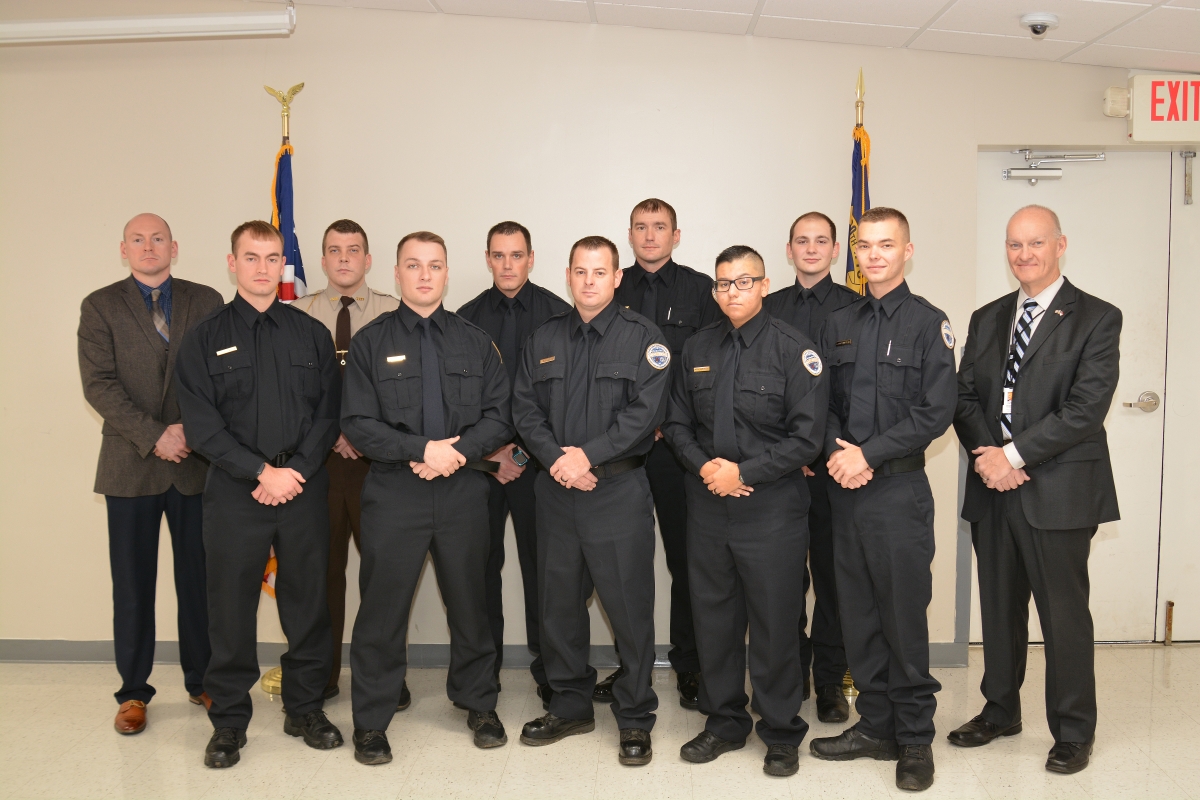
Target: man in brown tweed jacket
[{"x": 129, "y": 333}]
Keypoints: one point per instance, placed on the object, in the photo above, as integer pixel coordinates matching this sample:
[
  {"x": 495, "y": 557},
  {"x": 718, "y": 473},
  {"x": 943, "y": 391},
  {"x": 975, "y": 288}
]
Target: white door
[{"x": 1116, "y": 216}]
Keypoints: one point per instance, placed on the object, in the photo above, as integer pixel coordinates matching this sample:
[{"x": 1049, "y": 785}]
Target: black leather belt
[
  {"x": 907, "y": 464},
  {"x": 615, "y": 468},
  {"x": 483, "y": 466},
  {"x": 280, "y": 460}
]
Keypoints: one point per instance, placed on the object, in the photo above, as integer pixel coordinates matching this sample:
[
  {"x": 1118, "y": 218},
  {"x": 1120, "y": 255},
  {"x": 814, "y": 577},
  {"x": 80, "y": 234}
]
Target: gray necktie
[{"x": 156, "y": 314}]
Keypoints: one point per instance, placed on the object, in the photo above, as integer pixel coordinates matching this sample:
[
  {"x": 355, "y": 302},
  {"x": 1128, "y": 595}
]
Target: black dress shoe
[
  {"x": 979, "y": 732},
  {"x": 548, "y": 729},
  {"x": 318, "y": 732},
  {"x": 371, "y": 747},
  {"x": 331, "y": 692},
  {"x": 782, "y": 760},
  {"x": 689, "y": 690},
  {"x": 635, "y": 747},
  {"x": 851, "y": 745},
  {"x": 914, "y": 771},
  {"x": 547, "y": 694},
  {"x": 405, "y": 698},
  {"x": 1068, "y": 758},
  {"x": 831, "y": 704},
  {"x": 603, "y": 691},
  {"x": 223, "y": 748},
  {"x": 706, "y": 747},
  {"x": 489, "y": 731}
]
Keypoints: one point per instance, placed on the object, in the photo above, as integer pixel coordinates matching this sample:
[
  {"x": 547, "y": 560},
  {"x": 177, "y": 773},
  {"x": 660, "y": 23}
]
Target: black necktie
[
  {"x": 270, "y": 406},
  {"x": 724, "y": 434},
  {"x": 508, "y": 337},
  {"x": 579, "y": 380},
  {"x": 650, "y": 298},
  {"x": 341, "y": 337},
  {"x": 804, "y": 318},
  {"x": 433, "y": 416},
  {"x": 862, "y": 388}
]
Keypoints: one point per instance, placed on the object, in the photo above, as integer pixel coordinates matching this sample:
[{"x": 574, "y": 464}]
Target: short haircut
[
  {"x": 883, "y": 214},
  {"x": 1036, "y": 207},
  {"x": 737, "y": 253},
  {"x": 255, "y": 229},
  {"x": 167, "y": 225},
  {"x": 347, "y": 226},
  {"x": 595, "y": 243},
  {"x": 510, "y": 228},
  {"x": 813, "y": 215},
  {"x": 652, "y": 206},
  {"x": 421, "y": 236}
]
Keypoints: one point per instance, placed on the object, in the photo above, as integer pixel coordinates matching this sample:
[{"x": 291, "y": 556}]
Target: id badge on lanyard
[{"x": 1006, "y": 408}]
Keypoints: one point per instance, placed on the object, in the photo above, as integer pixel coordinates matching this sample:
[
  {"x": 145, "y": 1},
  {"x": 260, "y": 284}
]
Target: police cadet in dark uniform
[
  {"x": 880, "y": 421},
  {"x": 589, "y": 397},
  {"x": 260, "y": 393},
  {"x": 426, "y": 398},
  {"x": 679, "y": 301},
  {"x": 812, "y": 248},
  {"x": 747, "y": 411},
  {"x": 509, "y": 311}
]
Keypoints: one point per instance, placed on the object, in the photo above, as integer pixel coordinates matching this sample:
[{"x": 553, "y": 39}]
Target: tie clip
[
  {"x": 394, "y": 359},
  {"x": 546, "y": 360},
  {"x": 701, "y": 369},
  {"x": 227, "y": 351}
]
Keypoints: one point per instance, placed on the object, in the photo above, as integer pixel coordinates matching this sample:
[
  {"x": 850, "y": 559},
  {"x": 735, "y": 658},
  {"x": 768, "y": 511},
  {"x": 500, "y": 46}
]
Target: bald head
[
  {"x": 1034, "y": 244},
  {"x": 1038, "y": 215},
  {"x": 147, "y": 245}
]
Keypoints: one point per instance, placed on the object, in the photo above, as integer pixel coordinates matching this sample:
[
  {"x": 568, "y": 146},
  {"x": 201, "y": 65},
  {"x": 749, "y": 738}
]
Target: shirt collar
[
  {"x": 750, "y": 330},
  {"x": 411, "y": 318},
  {"x": 249, "y": 313},
  {"x": 164, "y": 288},
  {"x": 821, "y": 290},
  {"x": 600, "y": 322},
  {"x": 892, "y": 300},
  {"x": 666, "y": 272},
  {"x": 1043, "y": 298},
  {"x": 524, "y": 296},
  {"x": 334, "y": 296}
]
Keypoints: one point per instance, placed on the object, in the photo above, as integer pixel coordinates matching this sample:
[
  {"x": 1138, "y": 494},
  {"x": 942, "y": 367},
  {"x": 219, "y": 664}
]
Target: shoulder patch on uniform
[
  {"x": 658, "y": 356},
  {"x": 812, "y": 362},
  {"x": 947, "y": 334}
]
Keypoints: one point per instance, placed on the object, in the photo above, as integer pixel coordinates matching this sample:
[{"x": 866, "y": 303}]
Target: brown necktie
[{"x": 341, "y": 337}]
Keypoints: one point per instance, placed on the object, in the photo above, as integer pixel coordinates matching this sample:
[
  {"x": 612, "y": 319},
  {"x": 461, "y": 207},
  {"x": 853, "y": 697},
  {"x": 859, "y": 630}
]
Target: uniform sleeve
[
  {"x": 807, "y": 399},
  {"x": 638, "y": 419},
  {"x": 362, "y": 416},
  {"x": 314, "y": 449},
  {"x": 103, "y": 390},
  {"x": 833, "y": 423},
  {"x": 203, "y": 425},
  {"x": 710, "y": 312},
  {"x": 679, "y": 428},
  {"x": 970, "y": 420},
  {"x": 933, "y": 412},
  {"x": 529, "y": 417},
  {"x": 494, "y": 428}
]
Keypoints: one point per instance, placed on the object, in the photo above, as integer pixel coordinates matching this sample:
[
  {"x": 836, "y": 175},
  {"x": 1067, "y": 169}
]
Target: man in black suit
[{"x": 1034, "y": 386}]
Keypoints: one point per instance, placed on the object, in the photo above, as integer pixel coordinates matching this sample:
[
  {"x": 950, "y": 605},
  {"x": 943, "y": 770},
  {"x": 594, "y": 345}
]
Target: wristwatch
[
  {"x": 519, "y": 458},
  {"x": 261, "y": 468}
]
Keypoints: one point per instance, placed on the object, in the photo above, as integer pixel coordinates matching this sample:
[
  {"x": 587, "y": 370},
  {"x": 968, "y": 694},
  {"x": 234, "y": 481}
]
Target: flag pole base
[{"x": 272, "y": 681}]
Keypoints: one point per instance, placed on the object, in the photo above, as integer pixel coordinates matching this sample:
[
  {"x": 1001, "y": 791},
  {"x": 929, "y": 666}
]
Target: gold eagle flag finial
[{"x": 285, "y": 99}]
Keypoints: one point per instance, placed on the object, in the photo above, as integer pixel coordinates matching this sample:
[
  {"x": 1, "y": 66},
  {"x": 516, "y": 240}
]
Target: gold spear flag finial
[
  {"x": 859, "y": 92},
  {"x": 285, "y": 99}
]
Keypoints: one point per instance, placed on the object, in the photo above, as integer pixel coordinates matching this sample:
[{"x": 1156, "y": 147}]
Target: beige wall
[{"x": 451, "y": 123}]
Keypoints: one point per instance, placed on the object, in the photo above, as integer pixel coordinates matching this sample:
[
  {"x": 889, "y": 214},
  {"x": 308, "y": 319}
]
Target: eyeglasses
[{"x": 743, "y": 283}]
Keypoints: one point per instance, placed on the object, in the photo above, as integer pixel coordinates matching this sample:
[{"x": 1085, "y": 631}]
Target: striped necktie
[
  {"x": 156, "y": 314},
  {"x": 1020, "y": 343}
]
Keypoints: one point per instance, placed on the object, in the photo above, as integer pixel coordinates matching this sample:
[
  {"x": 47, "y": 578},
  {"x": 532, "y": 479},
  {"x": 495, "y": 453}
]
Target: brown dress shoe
[
  {"x": 131, "y": 717},
  {"x": 201, "y": 699}
]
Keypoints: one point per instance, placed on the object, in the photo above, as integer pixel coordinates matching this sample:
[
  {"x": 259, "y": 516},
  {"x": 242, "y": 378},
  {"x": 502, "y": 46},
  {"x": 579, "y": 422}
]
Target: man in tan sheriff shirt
[{"x": 345, "y": 306}]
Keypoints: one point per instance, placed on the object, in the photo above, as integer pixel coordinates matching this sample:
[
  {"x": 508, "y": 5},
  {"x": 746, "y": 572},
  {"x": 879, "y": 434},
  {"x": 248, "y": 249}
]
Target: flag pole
[{"x": 860, "y": 198}]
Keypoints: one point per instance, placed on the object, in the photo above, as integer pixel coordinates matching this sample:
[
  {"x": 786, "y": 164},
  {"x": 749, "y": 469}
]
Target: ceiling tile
[
  {"x": 394, "y": 5},
  {"x": 1107, "y": 55},
  {"x": 671, "y": 18},
  {"x": 1078, "y": 20},
  {"x": 730, "y": 6},
  {"x": 561, "y": 10},
  {"x": 1185, "y": 3},
  {"x": 841, "y": 32},
  {"x": 1162, "y": 29},
  {"x": 982, "y": 44},
  {"x": 911, "y": 13}
]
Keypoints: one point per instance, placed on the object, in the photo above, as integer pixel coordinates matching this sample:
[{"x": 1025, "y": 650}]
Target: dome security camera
[{"x": 1039, "y": 23}]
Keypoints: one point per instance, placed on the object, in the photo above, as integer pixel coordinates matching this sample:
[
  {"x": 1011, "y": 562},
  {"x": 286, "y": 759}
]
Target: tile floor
[{"x": 56, "y": 741}]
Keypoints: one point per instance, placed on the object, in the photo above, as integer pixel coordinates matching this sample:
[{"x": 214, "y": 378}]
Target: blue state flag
[
  {"x": 860, "y": 202},
  {"x": 293, "y": 284}
]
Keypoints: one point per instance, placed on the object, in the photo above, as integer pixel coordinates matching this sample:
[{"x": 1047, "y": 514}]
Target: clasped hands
[
  {"x": 277, "y": 485},
  {"x": 849, "y": 467},
  {"x": 573, "y": 470},
  {"x": 171, "y": 445},
  {"x": 724, "y": 478},
  {"x": 992, "y": 465},
  {"x": 441, "y": 460}
]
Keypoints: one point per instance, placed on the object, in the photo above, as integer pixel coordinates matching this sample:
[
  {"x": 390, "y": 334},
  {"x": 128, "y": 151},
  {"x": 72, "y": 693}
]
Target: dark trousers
[
  {"x": 239, "y": 533},
  {"x": 883, "y": 537},
  {"x": 823, "y": 649},
  {"x": 1015, "y": 560},
  {"x": 747, "y": 559},
  {"x": 346, "y": 476},
  {"x": 601, "y": 541},
  {"x": 404, "y": 518},
  {"x": 134, "y": 524},
  {"x": 666, "y": 478},
  {"x": 515, "y": 497}
]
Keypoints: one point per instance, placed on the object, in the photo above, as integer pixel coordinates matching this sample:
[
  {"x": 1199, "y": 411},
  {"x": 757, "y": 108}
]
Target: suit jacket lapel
[
  {"x": 1053, "y": 317},
  {"x": 1004, "y": 318},
  {"x": 137, "y": 306}
]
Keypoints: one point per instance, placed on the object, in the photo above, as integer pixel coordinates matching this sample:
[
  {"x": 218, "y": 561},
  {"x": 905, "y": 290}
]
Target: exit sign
[{"x": 1165, "y": 108}]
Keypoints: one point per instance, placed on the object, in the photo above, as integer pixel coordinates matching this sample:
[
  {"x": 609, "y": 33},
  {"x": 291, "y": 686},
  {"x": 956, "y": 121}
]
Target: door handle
[{"x": 1147, "y": 401}]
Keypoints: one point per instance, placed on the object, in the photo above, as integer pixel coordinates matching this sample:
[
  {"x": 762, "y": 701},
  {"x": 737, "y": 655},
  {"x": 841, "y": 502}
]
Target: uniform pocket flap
[
  {"x": 549, "y": 371},
  {"x": 228, "y": 363},
  {"x": 1084, "y": 451},
  {"x": 626, "y": 372},
  {"x": 391, "y": 372},
  {"x": 702, "y": 380},
  {"x": 304, "y": 358},
  {"x": 685, "y": 319},
  {"x": 845, "y": 354},
  {"x": 463, "y": 366},
  {"x": 901, "y": 356},
  {"x": 762, "y": 384}
]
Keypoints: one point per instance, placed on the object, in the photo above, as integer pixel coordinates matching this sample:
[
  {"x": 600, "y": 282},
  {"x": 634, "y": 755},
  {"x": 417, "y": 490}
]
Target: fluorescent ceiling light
[{"x": 171, "y": 26}]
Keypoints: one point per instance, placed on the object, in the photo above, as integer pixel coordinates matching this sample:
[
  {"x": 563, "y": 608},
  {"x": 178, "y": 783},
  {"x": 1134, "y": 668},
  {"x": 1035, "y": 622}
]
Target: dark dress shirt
[
  {"x": 164, "y": 299},
  {"x": 916, "y": 388},
  {"x": 626, "y": 388},
  {"x": 779, "y": 405},
  {"x": 684, "y": 303},
  {"x": 381, "y": 405},
  {"x": 533, "y": 306},
  {"x": 807, "y": 309},
  {"x": 218, "y": 393}
]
